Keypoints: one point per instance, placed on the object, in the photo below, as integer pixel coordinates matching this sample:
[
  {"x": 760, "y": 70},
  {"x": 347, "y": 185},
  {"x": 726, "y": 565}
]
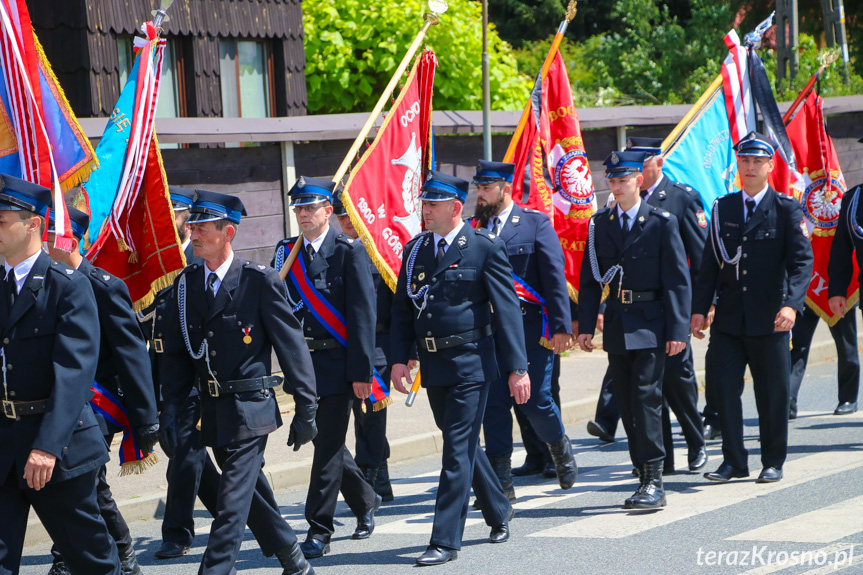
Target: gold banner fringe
[
  {"x": 829, "y": 319},
  {"x": 155, "y": 287},
  {"x": 545, "y": 343},
  {"x": 139, "y": 467},
  {"x": 382, "y": 404}
]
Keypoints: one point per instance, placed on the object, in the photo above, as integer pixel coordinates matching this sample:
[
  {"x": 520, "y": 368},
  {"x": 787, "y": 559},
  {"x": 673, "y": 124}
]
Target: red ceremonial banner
[
  {"x": 821, "y": 198},
  {"x": 555, "y": 149},
  {"x": 382, "y": 193}
]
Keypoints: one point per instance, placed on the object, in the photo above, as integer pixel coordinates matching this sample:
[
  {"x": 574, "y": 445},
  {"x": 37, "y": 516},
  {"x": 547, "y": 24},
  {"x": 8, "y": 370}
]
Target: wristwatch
[{"x": 520, "y": 372}]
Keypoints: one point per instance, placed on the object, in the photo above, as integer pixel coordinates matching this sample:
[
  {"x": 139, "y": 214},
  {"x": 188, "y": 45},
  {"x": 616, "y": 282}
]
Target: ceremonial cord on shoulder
[
  {"x": 421, "y": 293},
  {"x": 184, "y": 328},
  {"x": 279, "y": 262},
  {"x": 594, "y": 263},
  {"x": 722, "y": 256}
]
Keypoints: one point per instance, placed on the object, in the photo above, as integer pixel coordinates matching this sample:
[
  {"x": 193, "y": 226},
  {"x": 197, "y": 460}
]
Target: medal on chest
[{"x": 247, "y": 339}]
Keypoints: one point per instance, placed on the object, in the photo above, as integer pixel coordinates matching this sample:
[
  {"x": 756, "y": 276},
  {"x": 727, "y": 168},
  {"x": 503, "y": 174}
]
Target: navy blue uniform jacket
[
  {"x": 124, "y": 366},
  {"x": 251, "y": 297},
  {"x": 840, "y": 269},
  {"x": 685, "y": 204},
  {"x": 775, "y": 268},
  {"x": 341, "y": 273},
  {"x": 653, "y": 259},
  {"x": 50, "y": 338},
  {"x": 474, "y": 275},
  {"x": 536, "y": 257}
]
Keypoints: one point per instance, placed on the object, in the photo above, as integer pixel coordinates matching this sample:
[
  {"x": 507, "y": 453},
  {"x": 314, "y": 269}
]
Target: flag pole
[
  {"x": 549, "y": 58},
  {"x": 826, "y": 60},
  {"x": 431, "y": 19}
]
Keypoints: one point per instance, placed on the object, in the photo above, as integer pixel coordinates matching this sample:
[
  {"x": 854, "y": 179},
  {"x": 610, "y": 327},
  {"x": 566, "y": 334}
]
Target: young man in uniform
[
  {"x": 451, "y": 278},
  {"x": 331, "y": 290},
  {"x": 635, "y": 251},
  {"x": 759, "y": 263},
  {"x": 231, "y": 315},
  {"x": 52, "y": 446}
]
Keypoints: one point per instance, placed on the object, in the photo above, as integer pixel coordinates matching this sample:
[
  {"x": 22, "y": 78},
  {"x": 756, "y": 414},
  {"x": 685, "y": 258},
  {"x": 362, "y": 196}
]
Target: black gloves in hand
[
  {"x": 146, "y": 437},
  {"x": 168, "y": 429},
  {"x": 303, "y": 427}
]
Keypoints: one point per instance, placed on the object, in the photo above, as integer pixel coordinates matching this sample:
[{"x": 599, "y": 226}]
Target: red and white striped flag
[{"x": 737, "y": 89}]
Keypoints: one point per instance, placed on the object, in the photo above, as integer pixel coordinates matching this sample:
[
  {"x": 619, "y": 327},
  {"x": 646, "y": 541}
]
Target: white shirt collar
[
  {"x": 631, "y": 212},
  {"x": 317, "y": 242},
  {"x": 22, "y": 270},
  {"x": 186, "y": 244},
  {"x": 758, "y": 197},
  {"x": 220, "y": 272},
  {"x": 450, "y": 237},
  {"x": 503, "y": 217},
  {"x": 652, "y": 188}
]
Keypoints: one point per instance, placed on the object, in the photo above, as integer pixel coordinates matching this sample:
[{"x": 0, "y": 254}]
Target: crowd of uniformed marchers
[{"x": 482, "y": 305}]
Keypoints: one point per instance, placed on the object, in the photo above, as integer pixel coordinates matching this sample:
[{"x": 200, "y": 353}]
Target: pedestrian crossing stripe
[
  {"x": 824, "y": 525},
  {"x": 829, "y": 559}
]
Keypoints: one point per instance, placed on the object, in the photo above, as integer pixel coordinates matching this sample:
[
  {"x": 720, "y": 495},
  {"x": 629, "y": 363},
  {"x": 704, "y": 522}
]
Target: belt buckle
[
  {"x": 626, "y": 296},
  {"x": 213, "y": 387},
  {"x": 9, "y": 409},
  {"x": 430, "y": 344},
  {"x": 157, "y": 345},
  {"x": 308, "y": 340}
]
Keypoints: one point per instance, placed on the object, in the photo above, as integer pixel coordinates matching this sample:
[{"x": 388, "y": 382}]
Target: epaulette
[
  {"x": 530, "y": 211},
  {"x": 101, "y": 275},
  {"x": 62, "y": 269},
  {"x": 417, "y": 238},
  {"x": 188, "y": 269},
  {"x": 785, "y": 197},
  {"x": 260, "y": 268},
  {"x": 661, "y": 213},
  {"x": 601, "y": 211},
  {"x": 484, "y": 233},
  {"x": 345, "y": 239}
]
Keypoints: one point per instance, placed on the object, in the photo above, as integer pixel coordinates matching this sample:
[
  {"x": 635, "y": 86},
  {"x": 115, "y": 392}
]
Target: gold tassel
[
  {"x": 138, "y": 467},
  {"x": 545, "y": 343},
  {"x": 382, "y": 404},
  {"x": 133, "y": 257}
]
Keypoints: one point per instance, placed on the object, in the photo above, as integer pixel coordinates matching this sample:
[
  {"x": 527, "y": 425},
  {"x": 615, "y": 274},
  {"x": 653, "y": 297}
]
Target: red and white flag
[
  {"x": 821, "y": 198},
  {"x": 737, "y": 89},
  {"x": 382, "y": 193}
]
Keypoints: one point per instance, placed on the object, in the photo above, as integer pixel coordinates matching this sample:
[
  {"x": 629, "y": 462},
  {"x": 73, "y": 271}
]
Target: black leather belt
[
  {"x": 434, "y": 344},
  {"x": 157, "y": 345},
  {"x": 215, "y": 389},
  {"x": 15, "y": 409},
  {"x": 322, "y": 344},
  {"x": 628, "y": 296}
]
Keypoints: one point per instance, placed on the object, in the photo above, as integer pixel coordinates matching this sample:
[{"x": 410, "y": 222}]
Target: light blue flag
[{"x": 703, "y": 156}]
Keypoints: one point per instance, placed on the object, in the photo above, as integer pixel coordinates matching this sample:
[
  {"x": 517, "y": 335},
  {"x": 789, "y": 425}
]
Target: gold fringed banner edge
[
  {"x": 139, "y": 467},
  {"x": 831, "y": 320},
  {"x": 382, "y": 404},
  {"x": 156, "y": 286}
]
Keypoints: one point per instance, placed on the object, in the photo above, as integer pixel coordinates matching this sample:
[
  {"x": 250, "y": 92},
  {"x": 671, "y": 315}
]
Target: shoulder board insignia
[
  {"x": 69, "y": 271},
  {"x": 53, "y": 263},
  {"x": 106, "y": 277},
  {"x": 491, "y": 235},
  {"x": 262, "y": 267},
  {"x": 688, "y": 188},
  {"x": 528, "y": 210},
  {"x": 661, "y": 195},
  {"x": 516, "y": 219},
  {"x": 666, "y": 214},
  {"x": 640, "y": 218},
  {"x": 462, "y": 241}
]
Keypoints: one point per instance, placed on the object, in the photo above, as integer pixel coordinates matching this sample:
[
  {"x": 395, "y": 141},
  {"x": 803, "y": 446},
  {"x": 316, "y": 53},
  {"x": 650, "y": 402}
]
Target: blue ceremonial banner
[
  {"x": 702, "y": 156},
  {"x": 111, "y": 151}
]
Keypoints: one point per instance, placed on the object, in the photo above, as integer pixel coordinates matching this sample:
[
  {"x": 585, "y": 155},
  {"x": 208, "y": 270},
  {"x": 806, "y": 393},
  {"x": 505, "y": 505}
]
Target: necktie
[
  {"x": 441, "y": 250},
  {"x": 310, "y": 249},
  {"x": 624, "y": 226},
  {"x": 211, "y": 285},
  {"x": 496, "y": 226},
  {"x": 11, "y": 287},
  {"x": 750, "y": 207}
]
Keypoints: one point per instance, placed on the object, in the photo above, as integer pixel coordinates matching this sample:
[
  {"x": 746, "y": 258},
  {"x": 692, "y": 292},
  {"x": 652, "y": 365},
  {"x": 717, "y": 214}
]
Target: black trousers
[
  {"x": 844, "y": 334},
  {"x": 636, "y": 378},
  {"x": 70, "y": 514},
  {"x": 334, "y": 469},
  {"x": 710, "y": 412},
  {"x": 370, "y": 430},
  {"x": 191, "y": 474},
  {"x": 680, "y": 394},
  {"x": 458, "y": 412},
  {"x": 770, "y": 365},
  {"x": 537, "y": 451},
  {"x": 244, "y": 495}
]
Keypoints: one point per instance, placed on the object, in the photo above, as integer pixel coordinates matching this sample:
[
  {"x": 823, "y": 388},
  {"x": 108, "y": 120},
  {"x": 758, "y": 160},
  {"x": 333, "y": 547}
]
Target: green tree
[{"x": 353, "y": 47}]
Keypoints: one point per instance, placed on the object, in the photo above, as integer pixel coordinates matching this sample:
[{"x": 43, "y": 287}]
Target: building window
[
  {"x": 170, "y": 89},
  {"x": 246, "y": 78}
]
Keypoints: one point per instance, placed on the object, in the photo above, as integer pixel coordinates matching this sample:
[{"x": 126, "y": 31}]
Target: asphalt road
[{"x": 811, "y": 522}]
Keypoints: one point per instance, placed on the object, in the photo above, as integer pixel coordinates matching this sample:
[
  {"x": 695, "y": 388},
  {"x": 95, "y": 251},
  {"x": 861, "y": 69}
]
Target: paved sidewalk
[{"x": 411, "y": 432}]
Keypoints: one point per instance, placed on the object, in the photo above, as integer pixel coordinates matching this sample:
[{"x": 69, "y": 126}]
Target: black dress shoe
[
  {"x": 792, "y": 410},
  {"x": 846, "y": 408},
  {"x": 769, "y": 475},
  {"x": 436, "y": 555},
  {"x": 366, "y": 522},
  {"x": 597, "y": 430},
  {"x": 726, "y": 472},
  {"x": 313, "y": 548},
  {"x": 128, "y": 560},
  {"x": 711, "y": 432},
  {"x": 59, "y": 568},
  {"x": 697, "y": 459},
  {"x": 549, "y": 470},
  {"x": 499, "y": 534},
  {"x": 170, "y": 550},
  {"x": 530, "y": 467}
]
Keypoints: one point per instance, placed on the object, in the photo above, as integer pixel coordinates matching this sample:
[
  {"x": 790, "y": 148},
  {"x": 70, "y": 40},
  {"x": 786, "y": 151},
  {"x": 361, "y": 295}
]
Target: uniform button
[
  {"x": 213, "y": 353},
  {"x": 329, "y": 284},
  {"x": 161, "y": 301},
  {"x": 745, "y": 255},
  {"x": 5, "y": 340},
  {"x": 744, "y": 288},
  {"x": 215, "y": 372},
  {"x": 35, "y": 330},
  {"x": 158, "y": 317},
  {"x": 459, "y": 275},
  {"x": 428, "y": 333},
  {"x": 9, "y": 366},
  {"x": 308, "y": 329},
  {"x": 80, "y": 424},
  {"x": 428, "y": 315},
  {"x": 520, "y": 250},
  {"x": 744, "y": 272},
  {"x": 431, "y": 297},
  {"x": 744, "y": 238},
  {"x": 434, "y": 279},
  {"x": 209, "y": 334},
  {"x": 239, "y": 323},
  {"x": 11, "y": 394},
  {"x": 64, "y": 449}
]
